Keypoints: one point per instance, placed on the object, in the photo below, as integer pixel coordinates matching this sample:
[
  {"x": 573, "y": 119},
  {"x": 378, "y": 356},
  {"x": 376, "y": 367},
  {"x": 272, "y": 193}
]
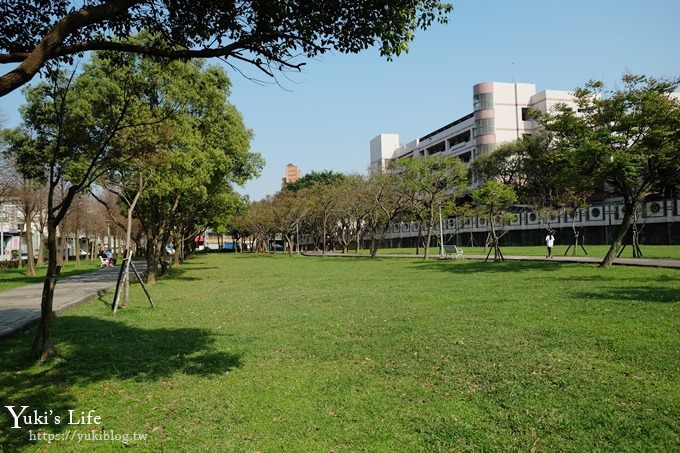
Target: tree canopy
[
  {"x": 431, "y": 183},
  {"x": 271, "y": 36},
  {"x": 313, "y": 178},
  {"x": 627, "y": 139}
]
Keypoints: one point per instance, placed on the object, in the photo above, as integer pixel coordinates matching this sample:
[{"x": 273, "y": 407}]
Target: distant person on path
[
  {"x": 110, "y": 257},
  {"x": 549, "y": 242}
]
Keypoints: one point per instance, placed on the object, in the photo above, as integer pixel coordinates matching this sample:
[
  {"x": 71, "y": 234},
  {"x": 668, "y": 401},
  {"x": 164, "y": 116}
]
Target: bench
[
  {"x": 104, "y": 262},
  {"x": 454, "y": 251}
]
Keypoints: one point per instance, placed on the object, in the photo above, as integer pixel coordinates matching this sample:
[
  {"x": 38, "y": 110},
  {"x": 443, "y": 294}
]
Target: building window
[
  {"x": 465, "y": 157},
  {"x": 525, "y": 114},
  {"x": 458, "y": 139},
  {"x": 438, "y": 148},
  {"x": 482, "y": 101},
  {"x": 484, "y": 127}
]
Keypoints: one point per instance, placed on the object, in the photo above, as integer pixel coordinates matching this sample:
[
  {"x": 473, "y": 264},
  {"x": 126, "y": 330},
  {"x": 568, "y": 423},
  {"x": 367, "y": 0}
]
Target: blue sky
[{"x": 326, "y": 115}]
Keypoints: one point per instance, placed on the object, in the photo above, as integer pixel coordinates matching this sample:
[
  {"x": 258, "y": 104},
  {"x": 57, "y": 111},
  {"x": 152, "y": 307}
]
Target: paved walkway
[
  {"x": 675, "y": 264},
  {"x": 20, "y": 307}
]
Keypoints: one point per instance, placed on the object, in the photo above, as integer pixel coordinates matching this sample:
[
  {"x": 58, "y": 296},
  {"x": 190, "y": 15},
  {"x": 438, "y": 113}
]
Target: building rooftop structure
[
  {"x": 292, "y": 174},
  {"x": 499, "y": 115}
]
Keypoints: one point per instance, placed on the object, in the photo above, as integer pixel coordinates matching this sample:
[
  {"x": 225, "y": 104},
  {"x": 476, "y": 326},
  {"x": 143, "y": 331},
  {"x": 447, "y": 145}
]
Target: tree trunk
[
  {"x": 628, "y": 216},
  {"x": 428, "y": 238},
  {"x": 92, "y": 250},
  {"x": 420, "y": 235},
  {"x": 126, "y": 279},
  {"x": 76, "y": 241},
  {"x": 128, "y": 254},
  {"x": 30, "y": 264},
  {"x": 151, "y": 261},
  {"x": 43, "y": 348},
  {"x": 161, "y": 257},
  {"x": 62, "y": 250},
  {"x": 41, "y": 249},
  {"x": 179, "y": 251}
]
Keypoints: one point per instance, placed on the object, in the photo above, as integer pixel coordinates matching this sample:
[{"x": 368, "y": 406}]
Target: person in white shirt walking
[{"x": 549, "y": 242}]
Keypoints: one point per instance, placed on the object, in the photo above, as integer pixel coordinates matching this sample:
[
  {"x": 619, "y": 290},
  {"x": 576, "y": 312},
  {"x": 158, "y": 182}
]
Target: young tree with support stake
[
  {"x": 494, "y": 198},
  {"x": 430, "y": 183},
  {"x": 547, "y": 177}
]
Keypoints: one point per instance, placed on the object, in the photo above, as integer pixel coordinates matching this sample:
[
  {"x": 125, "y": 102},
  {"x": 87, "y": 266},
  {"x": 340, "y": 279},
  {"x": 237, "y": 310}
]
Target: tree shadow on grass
[
  {"x": 473, "y": 267},
  {"x": 179, "y": 273},
  {"x": 93, "y": 350},
  {"x": 667, "y": 277},
  {"x": 633, "y": 294}
]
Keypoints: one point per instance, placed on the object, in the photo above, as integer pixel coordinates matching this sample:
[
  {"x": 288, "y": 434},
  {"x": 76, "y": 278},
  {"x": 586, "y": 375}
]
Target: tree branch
[{"x": 44, "y": 51}]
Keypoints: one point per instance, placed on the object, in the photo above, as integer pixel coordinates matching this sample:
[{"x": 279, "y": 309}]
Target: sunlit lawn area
[
  {"x": 271, "y": 353},
  {"x": 11, "y": 278},
  {"x": 599, "y": 251}
]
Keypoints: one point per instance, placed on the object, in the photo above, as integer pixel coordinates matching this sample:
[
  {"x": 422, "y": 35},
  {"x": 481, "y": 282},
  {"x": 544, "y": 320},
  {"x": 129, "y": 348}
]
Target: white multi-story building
[
  {"x": 12, "y": 225},
  {"x": 500, "y": 114}
]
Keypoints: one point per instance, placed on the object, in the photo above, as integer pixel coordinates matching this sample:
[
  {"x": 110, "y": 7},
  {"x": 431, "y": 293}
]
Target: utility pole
[
  {"x": 108, "y": 234},
  {"x": 441, "y": 234}
]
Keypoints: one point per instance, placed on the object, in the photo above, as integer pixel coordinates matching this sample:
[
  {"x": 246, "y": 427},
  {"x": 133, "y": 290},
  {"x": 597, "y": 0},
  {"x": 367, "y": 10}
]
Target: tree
[
  {"x": 546, "y": 177},
  {"x": 494, "y": 198},
  {"x": 288, "y": 209},
  {"x": 432, "y": 183},
  {"x": 386, "y": 201},
  {"x": 314, "y": 178},
  {"x": 203, "y": 150},
  {"x": 71, "y": 123},
  {"x": 260, "y": 223},
  {"x": 629, "y": 137},
  {"x": 267, "y": 35},
  {"x": 351, "y": 201},
  {"x": 322, "y": 218}
]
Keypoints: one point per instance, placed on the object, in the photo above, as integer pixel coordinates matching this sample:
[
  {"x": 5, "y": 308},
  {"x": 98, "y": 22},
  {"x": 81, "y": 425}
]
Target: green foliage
[
  {"x": 270, "y": 36},
  {"x": 325, "y": 177},
  {"x": 192, "y": 145},
  {"x": 626, "y": 138},
  {"x": 433, "y": 178},
  {"x": 431, "y": 183},
  {"x": 494, "y": 195}
]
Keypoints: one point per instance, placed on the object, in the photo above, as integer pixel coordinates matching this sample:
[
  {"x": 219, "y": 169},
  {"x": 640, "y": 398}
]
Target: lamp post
[
  {"x": 108, "y": 234},
  {"x": 3, "y": 219},
  {"x": 441, "y": 234}
]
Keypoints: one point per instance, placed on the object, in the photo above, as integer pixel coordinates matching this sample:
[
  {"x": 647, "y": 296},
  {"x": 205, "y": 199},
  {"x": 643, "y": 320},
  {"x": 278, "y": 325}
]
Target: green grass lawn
[
  {"x": 599, "y": 251},
  {"x": 271, "y": 353},
  {"x": 12, "y": 278}
]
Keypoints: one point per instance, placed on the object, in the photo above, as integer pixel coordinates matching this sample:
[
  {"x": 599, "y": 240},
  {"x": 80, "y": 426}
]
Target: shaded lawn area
[
  {"x": 12, "y": 278},
  {"x": 598, "y": 251},
  {"x": 272, "y": 353}
]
